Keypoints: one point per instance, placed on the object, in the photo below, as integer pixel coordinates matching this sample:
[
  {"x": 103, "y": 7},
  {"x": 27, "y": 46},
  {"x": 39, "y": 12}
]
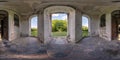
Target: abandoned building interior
[{"x": 103, "y": 28}]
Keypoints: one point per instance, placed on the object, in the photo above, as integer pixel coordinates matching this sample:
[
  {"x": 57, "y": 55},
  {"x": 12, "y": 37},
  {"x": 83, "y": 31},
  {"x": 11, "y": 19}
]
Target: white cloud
[
  {"x": 85, "y": 24},
  {"x": 55, "y": 15},
  {"x": 64, "y": 17},
  {"x": 34, "y": 27}
]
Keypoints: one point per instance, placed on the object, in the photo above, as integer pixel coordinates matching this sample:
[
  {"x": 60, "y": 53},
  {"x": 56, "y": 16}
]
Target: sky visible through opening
[{"x": 58, "y": 16}]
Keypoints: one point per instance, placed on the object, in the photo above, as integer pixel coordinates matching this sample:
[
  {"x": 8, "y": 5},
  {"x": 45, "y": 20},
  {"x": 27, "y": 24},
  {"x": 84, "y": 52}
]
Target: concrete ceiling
[{"x": 30, "y": 6}]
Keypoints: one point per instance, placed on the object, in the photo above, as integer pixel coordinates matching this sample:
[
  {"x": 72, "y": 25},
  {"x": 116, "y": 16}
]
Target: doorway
[
  {"x": 3, "y": 25},
  {"x": 116, "y": 25}
]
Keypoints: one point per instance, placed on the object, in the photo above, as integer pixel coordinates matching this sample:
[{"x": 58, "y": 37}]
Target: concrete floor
[{"x": 90, "y": 48}]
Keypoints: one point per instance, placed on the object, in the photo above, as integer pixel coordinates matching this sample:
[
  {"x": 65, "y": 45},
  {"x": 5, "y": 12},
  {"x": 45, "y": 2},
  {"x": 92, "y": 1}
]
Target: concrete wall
[
  {"x": 13, "y": 30},
  {"x": 106, "y": 31}
]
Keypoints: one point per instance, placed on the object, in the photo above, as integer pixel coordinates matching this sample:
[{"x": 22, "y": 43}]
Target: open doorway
[
  {"x": 34, "y": 26},
  {"x": 3, "y": 25},
  {"x": 59, "y": 24},
  {"x": 116, "y": 25},
  {"x": 85, "y": 26}
]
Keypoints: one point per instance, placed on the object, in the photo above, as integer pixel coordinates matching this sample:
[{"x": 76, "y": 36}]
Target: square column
[
  {"x": 78, "y": 26},
  {"x": 11, "y": 26},
  {"x": 24, "y": 26},
  {"x": 94, "y": 25},
  {"x": 13, "y": 30},
  {"x": 75, "y": 26},
  {"x": 108, "y": 26},
  {"x": 41, "y": 27}
]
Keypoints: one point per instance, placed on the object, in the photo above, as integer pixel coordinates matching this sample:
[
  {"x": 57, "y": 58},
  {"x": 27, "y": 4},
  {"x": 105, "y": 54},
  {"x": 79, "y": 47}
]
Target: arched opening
[
  {"x": 16, "y": 20},
  {"x": 116, "y": 25},
  {"x": 34, "y": 26},
  {"x": 59, "y": 24},
  {"x": 3, "y": 25},
  {"x": 85, "y": 26},
  {"x": 103, "y": 25},
  {"x": 103, "y": 20},
  {"x": 71, "y": 21}
]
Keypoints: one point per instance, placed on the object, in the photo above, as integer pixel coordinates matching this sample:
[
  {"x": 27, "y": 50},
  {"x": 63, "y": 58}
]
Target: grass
[
  {"x": 58, "y": 34},
  {"x": 84, "y": 33},
  {"x": 34, "y": 33}
]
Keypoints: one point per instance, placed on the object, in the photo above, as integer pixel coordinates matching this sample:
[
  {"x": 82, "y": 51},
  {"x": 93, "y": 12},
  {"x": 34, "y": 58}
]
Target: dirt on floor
[{"x": 90, "y": 48}]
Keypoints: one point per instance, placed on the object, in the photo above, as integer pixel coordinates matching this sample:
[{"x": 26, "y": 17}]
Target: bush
[
  {"x": 34, "y": 32},
  {"x": 85, "y": 28},
  {"x": 33, "y": 29},
  {"x": 59, "y": 25}
]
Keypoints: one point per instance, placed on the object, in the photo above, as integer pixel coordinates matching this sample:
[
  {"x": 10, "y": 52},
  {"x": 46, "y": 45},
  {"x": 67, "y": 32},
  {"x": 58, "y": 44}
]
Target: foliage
[
  {"x": 84, "y": 33},
  {"x": 33, "y": 29},
  {"x": 59, "y": 28},
  {"x": 85, "y": 28},
  {"x": 34, "y": 32},
  {"x": 56, "y": 34},
  {"x": 59, "y": 25}
]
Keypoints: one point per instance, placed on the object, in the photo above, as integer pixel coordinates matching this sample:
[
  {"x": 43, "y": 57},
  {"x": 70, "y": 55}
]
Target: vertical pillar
[
  {"x": 47, "y": 27},
  {"x": 71, "y": 27},
  {"x": 24, "y": 26},
  {"x": 78, "y": 26},
  {"x": 94, "y": 25},
  {"x": 108, "y": 26},
  {"x": 41, "y": 26},
  {"x": 10, "y": 22}
]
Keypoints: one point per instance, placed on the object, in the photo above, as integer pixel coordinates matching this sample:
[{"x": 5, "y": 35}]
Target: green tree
[{"x": 59, "y": 25}]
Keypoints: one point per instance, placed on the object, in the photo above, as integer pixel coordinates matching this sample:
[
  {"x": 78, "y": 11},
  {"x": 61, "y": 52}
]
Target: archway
[
  {"x": 85, "y": 25},
  {"x": 3, "y": 25},
  {"x": 71, "y": 21},
  {"x": 34, "y": 26},
  {"x": 59, "y": 24},
  {"x": 116, "y": 25}
]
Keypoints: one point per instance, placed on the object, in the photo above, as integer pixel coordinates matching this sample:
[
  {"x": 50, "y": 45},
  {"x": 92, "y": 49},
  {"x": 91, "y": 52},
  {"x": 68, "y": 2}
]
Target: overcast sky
[{"x": 59, "y": 17}]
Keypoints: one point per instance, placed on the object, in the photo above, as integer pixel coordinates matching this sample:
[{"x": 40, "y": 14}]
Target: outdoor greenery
[
  {"x": 59, "y": 25},
  {"x": 59, "y": 28},
  {"x": 34, "y": 32}
]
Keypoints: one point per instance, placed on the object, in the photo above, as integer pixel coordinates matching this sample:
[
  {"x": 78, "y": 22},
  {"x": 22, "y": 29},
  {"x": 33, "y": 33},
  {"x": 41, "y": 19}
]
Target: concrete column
[
  {"x": 41, "y": 27},
  {"x": 75, "y": 26},
  {"x": 11, "y": 27},
  {"x": 24, "y": 26},
  {"x": 94, "y": 25},
  {"x": 47, "y": 28},
  {"x": 71, "y": 27},
  {"x": 13, "y": 30},
  {"x": 78, "y": 26},
  {"x": 108, "y": 25}
]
